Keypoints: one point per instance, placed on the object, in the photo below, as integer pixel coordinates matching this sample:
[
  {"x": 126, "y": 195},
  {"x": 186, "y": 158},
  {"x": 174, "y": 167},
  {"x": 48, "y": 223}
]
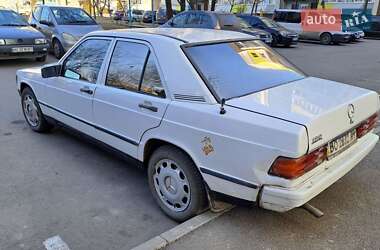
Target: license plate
[
  {"x": 22, "y": 49},
  {"x": 295, "y": 39},
  {"x": 340, "y": 144}
]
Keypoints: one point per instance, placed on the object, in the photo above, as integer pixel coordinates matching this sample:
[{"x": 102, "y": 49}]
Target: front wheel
[
  {"x": 58, "y": 49},
  {"x": 326, "y": 38},
  {"x": 176, "y": 183},
  {"x": 32, "y": 112}
]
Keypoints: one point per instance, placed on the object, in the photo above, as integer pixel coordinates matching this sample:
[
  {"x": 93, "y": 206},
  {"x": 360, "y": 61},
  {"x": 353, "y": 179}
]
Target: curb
[{"x": 181, "y": 230}]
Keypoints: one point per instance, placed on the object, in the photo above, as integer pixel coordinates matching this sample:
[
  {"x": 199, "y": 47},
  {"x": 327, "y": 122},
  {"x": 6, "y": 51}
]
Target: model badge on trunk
[{"x": 351, "y": 112}]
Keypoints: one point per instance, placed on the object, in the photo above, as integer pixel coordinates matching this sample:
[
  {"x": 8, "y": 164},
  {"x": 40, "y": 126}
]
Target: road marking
[
  {"x": 55, "y": 243},
  {"x": 181, "y": 230}
]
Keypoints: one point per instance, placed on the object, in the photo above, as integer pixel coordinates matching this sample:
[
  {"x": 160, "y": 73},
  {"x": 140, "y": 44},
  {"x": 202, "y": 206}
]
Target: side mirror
[
  {"x": 33, "y": 25},
  {"x": 51, "y": 71},
  {"x": 159, "y": 91}
]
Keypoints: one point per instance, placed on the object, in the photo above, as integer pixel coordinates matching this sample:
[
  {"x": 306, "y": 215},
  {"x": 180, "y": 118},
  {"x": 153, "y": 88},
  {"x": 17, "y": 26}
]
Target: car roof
[
  {"x": 57, "y": 6},
  {"x": 288, "y": 10},
  {"x": 185, "y": 35}
]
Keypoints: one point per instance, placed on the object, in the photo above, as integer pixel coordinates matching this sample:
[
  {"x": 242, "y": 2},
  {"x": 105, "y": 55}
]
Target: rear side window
[
  {"x": 126, "y": 66},
  {"x": 280, "y": 17},
  {"x": 133, "y": 68},
  {"x": 205, "y": 21},
  {"x": 293, "y": 17}
]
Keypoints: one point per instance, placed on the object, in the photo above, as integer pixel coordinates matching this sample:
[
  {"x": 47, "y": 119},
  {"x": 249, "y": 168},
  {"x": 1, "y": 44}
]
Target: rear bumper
[
  {"x": 283, "y": 199},
  {"x": 38, "y": 51}
]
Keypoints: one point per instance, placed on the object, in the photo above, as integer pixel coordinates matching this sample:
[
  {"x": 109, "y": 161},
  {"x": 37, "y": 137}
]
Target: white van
[{"x": 291, "y": 19}]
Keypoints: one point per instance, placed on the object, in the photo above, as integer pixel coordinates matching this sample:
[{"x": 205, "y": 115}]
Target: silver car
[{"x": 62, "y": 26}]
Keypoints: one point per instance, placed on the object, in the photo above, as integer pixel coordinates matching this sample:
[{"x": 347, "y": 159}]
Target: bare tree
[
  {"x": 365, "y": 6},
  {"x": 232, "y": 3},
  {"x": 213, "y": 3},
  {"x": 169, "y": 9},
  {"x": 182, "y": 4}
]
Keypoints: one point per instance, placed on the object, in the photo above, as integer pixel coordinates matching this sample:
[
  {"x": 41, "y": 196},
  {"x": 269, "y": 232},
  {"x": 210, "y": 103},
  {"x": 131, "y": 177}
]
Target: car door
[
  {"x": 132, "y": 99},
  {"x": 46, "y": 24},
  {"x": 70, "y": 95}
]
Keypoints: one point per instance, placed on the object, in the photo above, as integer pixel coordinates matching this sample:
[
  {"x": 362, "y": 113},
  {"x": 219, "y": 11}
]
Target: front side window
[
  {"x": 179, "y": 21},
  {"x": 37, "y": 13},
  {"x": 236, "y": 69},
  {"x": 45, "y": 15},
  {"x": 126, "y": 66},
  {"x": 193, "y": 20},
  {"x": 85, "y": 62},
  {"x": 71, "y": 16},
  {"x": 11, "y": 18}
]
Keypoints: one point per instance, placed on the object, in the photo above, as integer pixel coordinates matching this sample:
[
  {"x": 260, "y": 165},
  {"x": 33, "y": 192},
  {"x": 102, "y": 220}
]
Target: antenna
[{"x": 222, "y": 110}]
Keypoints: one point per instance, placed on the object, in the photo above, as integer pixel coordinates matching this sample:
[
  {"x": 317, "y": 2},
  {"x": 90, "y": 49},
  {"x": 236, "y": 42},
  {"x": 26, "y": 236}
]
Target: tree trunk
[
  {"x": 213, "y": 3},
  {"x": 232, "y": 5},
  {"x": 206, "y": 5},
  {"x": 182, "y": 4},
  {"x": 169, "y": 10},
  {"x": 365, "y": 6},
  {"x": 253, "y": 6}
]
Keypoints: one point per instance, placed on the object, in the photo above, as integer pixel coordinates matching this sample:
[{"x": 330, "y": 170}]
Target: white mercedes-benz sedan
[{"x": 206, "y": 112}]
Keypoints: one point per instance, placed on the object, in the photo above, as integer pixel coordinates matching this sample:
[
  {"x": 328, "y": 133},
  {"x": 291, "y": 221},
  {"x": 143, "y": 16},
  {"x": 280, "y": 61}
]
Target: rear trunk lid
[{"x": 326, "y": 108}]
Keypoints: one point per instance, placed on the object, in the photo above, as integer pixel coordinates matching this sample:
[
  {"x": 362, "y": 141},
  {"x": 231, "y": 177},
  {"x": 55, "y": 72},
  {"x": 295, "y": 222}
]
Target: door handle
[
  {"x": 148, "y": 106},
  {"x": 86, "y": 90}
]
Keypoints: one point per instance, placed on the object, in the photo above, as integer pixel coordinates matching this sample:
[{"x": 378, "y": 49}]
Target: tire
[
  {"x": 326, "y": 38},
  {"x": 176, "y": 184},
  {"x": 41, "y": 59},
  {"x": 32, "y": 112},
  {"x": 58, "y": 49},
  {"x": 274, "y": 42}
]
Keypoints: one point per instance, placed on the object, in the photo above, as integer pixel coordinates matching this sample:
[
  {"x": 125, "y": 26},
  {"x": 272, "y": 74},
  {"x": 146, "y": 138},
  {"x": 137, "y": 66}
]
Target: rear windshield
[
  {"x": 235, "y": 69},
  {"x": 228, "y": 21}
]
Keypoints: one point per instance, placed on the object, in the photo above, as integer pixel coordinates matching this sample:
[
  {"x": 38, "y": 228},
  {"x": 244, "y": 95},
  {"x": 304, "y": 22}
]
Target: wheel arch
[
  {"x": 152, "y": 144},
  {"x": 24, "y": 85},
  {"x": 325, "y": 32}
]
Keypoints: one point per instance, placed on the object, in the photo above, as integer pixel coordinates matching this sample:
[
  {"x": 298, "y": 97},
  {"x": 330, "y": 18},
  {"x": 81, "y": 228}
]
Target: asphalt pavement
[
  {"x": 351, "y": 205},
  {"x": 57, "y": 184}
]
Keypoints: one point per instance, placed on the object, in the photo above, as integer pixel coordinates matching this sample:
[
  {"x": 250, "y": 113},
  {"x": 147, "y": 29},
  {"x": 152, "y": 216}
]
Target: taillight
[
  {"x": 367, "y": 125},
  {"x": 290, "y": 168}
]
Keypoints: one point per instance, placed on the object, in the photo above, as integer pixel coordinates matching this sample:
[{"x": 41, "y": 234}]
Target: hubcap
[
  {"x": 171, "y": 185},
  {"x": 31, "y": 111}
]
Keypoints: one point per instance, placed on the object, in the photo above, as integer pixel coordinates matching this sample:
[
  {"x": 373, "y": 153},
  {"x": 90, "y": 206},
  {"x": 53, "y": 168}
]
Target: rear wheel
[
  {"x": 176, "y": 183},
  {"x": 58, "y": 49},
  {"x": 32, "y": 112},
  {"x": 326, "y": 38}
]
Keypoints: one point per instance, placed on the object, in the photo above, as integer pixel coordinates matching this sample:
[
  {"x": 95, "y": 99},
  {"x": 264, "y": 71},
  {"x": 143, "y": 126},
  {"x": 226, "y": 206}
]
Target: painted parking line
[
  {"x": 55, "y": 243},
  {"x": 174, "y": 234}
]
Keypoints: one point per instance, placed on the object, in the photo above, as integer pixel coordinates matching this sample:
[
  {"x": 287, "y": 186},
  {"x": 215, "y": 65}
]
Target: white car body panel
[{"x": 245, "y": 141}]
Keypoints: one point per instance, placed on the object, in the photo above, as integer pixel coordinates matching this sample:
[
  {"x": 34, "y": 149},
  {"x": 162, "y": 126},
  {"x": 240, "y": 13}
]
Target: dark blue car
[
  {"x": 18, "y": 39},
  {"x": 280, "y": 35}
]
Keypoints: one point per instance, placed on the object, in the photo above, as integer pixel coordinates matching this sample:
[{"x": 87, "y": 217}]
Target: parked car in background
[
  {"x": 356, "y": 34},
  {"x": 161, "y": 15},
  {"x": 149, "y": 16},
  {"x": 372, "y": 28},
  {"x": 118, "y": 15},
  {"x": 62, "y": 26},
  {"x": 216, "y": 20},
  {"x": 228, "y": 115},
  {"x": 280, "y": 35},
  {"x": 291, "y": 19},
  {"x": 18, "y": 39}
]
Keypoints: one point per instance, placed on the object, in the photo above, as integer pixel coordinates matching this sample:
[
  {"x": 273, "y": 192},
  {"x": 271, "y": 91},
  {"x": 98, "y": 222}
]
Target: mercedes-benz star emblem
[{"x": 351, "y": 112}]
